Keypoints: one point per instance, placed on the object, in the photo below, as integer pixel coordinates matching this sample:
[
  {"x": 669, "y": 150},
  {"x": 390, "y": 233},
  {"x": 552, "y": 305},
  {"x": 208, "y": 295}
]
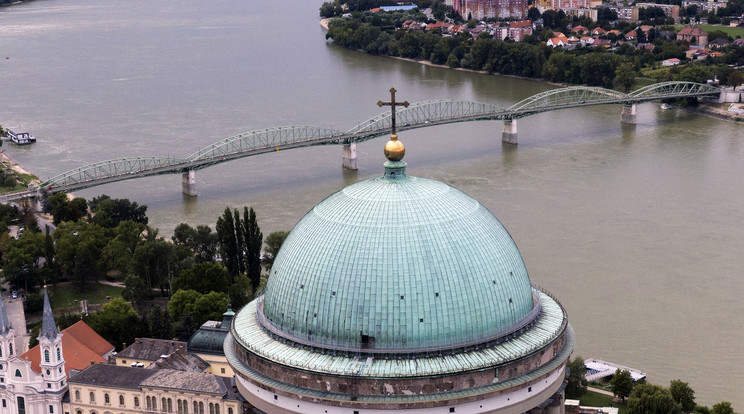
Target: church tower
[{"x": 50, "y": 345}]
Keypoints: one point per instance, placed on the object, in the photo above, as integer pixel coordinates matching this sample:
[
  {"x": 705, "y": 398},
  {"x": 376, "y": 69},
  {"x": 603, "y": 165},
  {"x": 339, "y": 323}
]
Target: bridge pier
[
  {"x": 628, "y": 115},
  {"x": 188, "y": 183},
  {"x": 510, "y": 131},
  {"x": 349, "y": 157}
]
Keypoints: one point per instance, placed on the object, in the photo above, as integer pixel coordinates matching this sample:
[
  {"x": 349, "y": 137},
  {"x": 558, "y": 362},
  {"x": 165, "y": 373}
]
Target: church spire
[
  {"x": 4, "y": 324},
  {"x": 48, "y": 327}
]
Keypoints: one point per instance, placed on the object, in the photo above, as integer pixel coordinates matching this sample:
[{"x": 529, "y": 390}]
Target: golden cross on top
[{"x": 392, "y": 105}]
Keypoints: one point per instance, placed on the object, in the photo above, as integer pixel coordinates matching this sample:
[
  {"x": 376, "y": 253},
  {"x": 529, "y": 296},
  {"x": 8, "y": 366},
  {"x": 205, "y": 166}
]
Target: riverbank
[{"x": 718, "y": 111}]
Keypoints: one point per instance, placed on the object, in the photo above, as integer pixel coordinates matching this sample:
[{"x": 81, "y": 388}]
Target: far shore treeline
[{"x": 381, "y": 33}]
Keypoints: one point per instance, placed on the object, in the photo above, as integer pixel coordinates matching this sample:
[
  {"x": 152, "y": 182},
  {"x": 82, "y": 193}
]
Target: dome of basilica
[{"x": 397, "y": 264}]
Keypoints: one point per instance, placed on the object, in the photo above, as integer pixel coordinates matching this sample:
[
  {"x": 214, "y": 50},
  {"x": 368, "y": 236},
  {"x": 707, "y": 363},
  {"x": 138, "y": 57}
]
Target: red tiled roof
[
  {"x": 523, "y": 23},
  {"x": 691, "y": 31},
  {"x": 81, "y": 345}
]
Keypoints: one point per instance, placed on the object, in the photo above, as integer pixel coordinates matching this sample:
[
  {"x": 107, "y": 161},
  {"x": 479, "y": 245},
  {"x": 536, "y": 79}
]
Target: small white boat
[
  {"x": 20, "y": 137},
  {"x": 666, "y": 106}
]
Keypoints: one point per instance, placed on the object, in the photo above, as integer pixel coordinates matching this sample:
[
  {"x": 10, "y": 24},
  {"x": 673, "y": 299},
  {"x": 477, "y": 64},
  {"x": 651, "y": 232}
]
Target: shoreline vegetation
[
  {"x": 703, "y": 108},
  {"x": 605, "y": 59}
]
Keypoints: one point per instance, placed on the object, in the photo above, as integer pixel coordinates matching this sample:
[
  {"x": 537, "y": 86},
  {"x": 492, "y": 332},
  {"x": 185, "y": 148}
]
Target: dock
[{"x": 597, "y": 369}]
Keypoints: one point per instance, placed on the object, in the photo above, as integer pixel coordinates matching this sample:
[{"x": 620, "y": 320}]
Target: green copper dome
[{"x": 397, "y": 263}]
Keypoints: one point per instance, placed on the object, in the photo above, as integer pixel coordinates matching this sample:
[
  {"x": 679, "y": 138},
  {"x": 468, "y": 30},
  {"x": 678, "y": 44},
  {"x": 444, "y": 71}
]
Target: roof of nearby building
[
  {"x": 185, "y": 381},
  {"x": 180, "y": 360},
  {"x": 523, "y": 23},
  {"x": 208, "y": 339},
  {"x": 150, "y": 349},
  {"x": 692, "y": 31},
  {"x": 719, "y": 41},
  {"x": 81, "y": 346},
  {"x": 112, "y": 375},
  {"x": 92, "y": 340}
]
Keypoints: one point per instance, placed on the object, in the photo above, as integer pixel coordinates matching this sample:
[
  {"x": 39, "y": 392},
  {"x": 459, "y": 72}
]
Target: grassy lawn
[
  {"x": 65, "y": 295},
  {"x": 731, "y": 31},
  {"x": 595, "y": 399}
]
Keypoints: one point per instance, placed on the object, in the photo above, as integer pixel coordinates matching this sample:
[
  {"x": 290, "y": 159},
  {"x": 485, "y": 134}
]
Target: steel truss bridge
[{"x": 417, "y": 115}]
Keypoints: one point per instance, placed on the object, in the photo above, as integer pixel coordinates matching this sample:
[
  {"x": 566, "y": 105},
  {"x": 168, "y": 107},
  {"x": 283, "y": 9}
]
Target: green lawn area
[
  {"x": 595, "y": 399},
  {"x": 66, "y": 295},
  {"x": 731, "y": 31}
]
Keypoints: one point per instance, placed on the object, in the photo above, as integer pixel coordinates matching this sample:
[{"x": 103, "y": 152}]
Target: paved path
[
  {"x": 17, "y": 319},
  {"x": 601, "y": 391}
]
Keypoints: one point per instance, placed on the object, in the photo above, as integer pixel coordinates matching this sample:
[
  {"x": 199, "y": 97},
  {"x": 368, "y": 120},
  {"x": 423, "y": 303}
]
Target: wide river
[{"x": 637, "y": 229}]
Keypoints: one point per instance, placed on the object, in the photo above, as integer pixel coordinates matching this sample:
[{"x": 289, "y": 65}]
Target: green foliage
[
  {"x": 79, "y": 246},
  {"x": 253, "y": 239},
  {"x": 273, "y": 243},
  {"x": 241, "y": 291},
  {"x": 118, "y": 323},
  {"x": 210, "y": 306},
  {"x": 21, "y": 267},
  {"x": 723, "y": 407},
  {"x": 203, "y": 278},
  {"x": 155, "y": 261},
  {"x": 201, "y": 240},
  {"x": 683, "y": 395},
  {"x": 625, "y": 75},
  {"x": 202, "y": 308},
  {"x": 577, "y": 383},
  {"x": 622, "y": 384},
  {"x": 34, "y": 302},
  {"x": 652, "y": 399},
  {"x": 135, "y": 289},
  {"x": 182, "y": 302},
  {"x": 63, "y": 209},
  {"x": 110, "y": 212}
]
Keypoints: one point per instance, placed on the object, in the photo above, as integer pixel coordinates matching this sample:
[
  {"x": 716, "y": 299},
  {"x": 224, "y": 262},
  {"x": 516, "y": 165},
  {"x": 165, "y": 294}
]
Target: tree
[
  {"x": 625, "y": 75},
  {"x": 209, "y": 307},
  {"x": 182, "y": 302},
  {"x": 273, "y": 243},
  {"x": 652, "y": 399},
  {"x": 186, "y": 327},
  {"x": 21, "y": 268},
  {"x": 110, "y": 212},
  {"x": 622, "y": 384},
  {"x": 735, "y": 78},
  {"x": 240, "y": 291},
  {"x": 155, "y": 262},
  {"x": 683, "y": 395},
  {"x": 577, "y": 382},
  {"x": 117, "y": 322},
  {"x": 203, "y": 278},
  {"x": 253, "y": 240},
  {"x": 80, "y": 241},
  {"x": 723, "y": 407},
  {"x": 63, "y": 209},
  {"x": 228, "y": 243},
  {"x": 135, "y": 289},
  {"x": 201, "y": 240}
]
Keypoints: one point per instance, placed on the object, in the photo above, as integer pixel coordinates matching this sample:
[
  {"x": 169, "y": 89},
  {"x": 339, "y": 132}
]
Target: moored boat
[{"x": 20, "y": 137}]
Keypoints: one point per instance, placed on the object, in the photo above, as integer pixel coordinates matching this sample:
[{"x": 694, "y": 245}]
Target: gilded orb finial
[{"x": 394, "y": 149}]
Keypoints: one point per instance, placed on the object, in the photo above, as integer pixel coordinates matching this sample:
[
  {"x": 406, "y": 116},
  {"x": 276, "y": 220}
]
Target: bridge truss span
[
  {"x": 674, "y": 89},
  {"x": 260, "y": 140},
  {"x": 422, "y": 114},
  {"x": 113, "y": 170},
  {"x": 569, "y": 97}
]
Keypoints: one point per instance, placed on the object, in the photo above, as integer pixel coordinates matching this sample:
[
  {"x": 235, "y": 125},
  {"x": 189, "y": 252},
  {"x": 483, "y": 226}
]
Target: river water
[{"x": 637, "y": 229}]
